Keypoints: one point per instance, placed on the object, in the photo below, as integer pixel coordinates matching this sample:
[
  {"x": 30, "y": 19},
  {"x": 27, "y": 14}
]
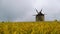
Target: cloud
[{"x": 22, "y": 10}]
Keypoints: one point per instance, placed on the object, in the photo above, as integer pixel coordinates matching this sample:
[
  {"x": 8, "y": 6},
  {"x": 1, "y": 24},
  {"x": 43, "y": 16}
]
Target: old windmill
[{"x": 39, "y": 15}]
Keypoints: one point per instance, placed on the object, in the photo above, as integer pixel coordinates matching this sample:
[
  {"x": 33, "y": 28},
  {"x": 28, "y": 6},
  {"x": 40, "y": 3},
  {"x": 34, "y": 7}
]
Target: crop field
[{"x": 30, "y": 28}]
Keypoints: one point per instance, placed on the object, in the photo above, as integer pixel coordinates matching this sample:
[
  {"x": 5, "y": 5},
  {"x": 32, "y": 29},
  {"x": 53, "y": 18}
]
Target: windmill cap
[{"x": 40, "y": 14}]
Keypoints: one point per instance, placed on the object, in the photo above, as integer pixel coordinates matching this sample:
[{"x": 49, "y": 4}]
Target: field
[{"x": 30, "y": 27}]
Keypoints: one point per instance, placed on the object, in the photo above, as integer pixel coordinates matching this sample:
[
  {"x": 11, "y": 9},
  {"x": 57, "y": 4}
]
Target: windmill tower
[{"x": 39, "y": 16}]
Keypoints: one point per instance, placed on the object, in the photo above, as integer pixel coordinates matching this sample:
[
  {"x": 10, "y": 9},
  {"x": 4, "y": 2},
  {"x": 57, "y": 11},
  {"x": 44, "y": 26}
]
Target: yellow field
[{"x": 30, "y": 28}]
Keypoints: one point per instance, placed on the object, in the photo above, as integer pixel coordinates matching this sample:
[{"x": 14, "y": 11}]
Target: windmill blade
[
  {"x": 41, "y": 10},
  {"x": 45, "y": 14},
  {"x": 37, "y": 11},
  {"x": 34, "y": 15}
]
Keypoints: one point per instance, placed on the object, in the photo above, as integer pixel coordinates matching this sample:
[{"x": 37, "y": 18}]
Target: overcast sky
[{"x": 23, "y": 10}]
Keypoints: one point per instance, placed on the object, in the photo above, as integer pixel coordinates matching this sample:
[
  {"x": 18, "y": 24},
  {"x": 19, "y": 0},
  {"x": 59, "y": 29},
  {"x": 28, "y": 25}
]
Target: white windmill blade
[
  {"x": 45, "y": 14},
  {"x": 41, "y": 10},
  {"x": 36, "y": 10},
  {"x": 34, "y": 15}
]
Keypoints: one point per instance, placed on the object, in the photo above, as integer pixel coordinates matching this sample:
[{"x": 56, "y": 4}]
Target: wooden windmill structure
[{"x": 39, "y": 15}]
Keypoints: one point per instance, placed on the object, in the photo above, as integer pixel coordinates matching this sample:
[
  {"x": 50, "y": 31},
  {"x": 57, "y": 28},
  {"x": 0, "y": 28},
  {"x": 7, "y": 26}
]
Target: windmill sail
[
  {"x": 37, "y": 11},
  {"x": 41, "y": 10}
]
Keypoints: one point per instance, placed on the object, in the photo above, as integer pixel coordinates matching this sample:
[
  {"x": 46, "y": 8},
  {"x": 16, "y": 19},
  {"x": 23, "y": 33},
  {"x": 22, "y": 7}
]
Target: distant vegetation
[{"x": 30, "y": 28}]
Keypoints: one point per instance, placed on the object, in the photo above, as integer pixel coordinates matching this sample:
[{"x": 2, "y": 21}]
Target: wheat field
[{"x": 30, "y": 27}]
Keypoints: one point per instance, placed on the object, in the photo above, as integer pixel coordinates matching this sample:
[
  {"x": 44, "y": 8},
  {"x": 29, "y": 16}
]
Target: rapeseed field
[{"x": 30, "y": 27}]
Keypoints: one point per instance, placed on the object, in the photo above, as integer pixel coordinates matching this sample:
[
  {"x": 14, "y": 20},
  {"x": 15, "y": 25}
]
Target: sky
[{"x": 23, "y": 10}]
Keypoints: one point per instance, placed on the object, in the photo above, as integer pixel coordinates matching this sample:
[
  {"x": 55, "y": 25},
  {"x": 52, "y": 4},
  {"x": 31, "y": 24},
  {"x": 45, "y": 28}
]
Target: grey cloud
[{"x": 22, "y": 10}]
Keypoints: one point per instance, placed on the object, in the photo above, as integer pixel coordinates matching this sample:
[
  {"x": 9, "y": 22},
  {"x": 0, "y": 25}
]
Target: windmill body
[{"x": 40, "y": 16}]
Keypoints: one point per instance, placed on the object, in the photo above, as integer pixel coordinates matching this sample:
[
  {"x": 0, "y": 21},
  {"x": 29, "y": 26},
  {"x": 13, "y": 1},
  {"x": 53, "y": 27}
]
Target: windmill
[{"x": 39, "y": 15}]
